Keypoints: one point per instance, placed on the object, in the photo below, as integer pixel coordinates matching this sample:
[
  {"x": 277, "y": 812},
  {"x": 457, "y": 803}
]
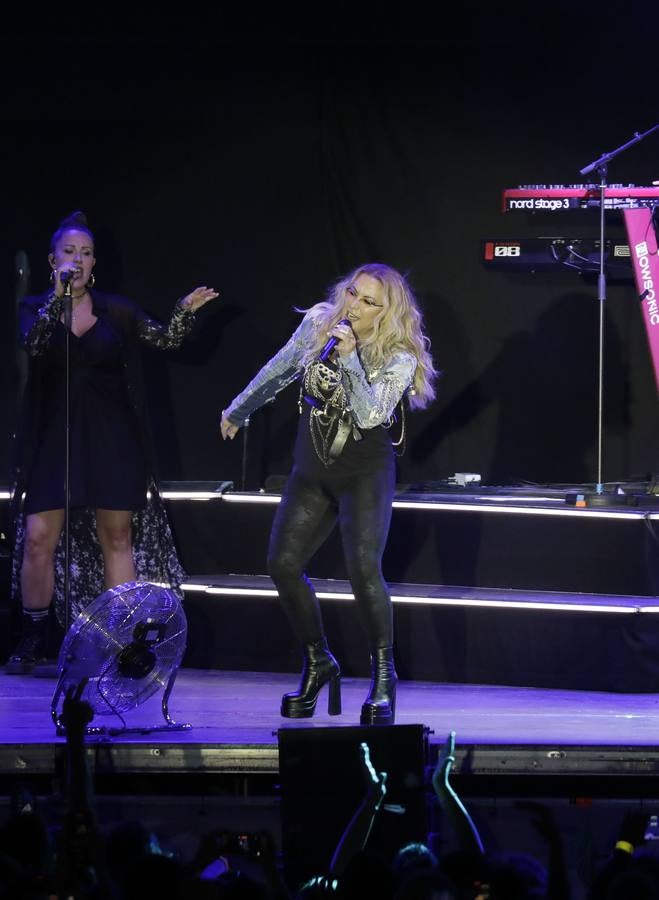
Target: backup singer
[
  {"x": 114, "y": 528},
  {"x": 351, "y": 404}
]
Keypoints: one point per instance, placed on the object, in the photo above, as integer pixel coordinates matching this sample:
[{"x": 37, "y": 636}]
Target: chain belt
[{"x": 329, "y": 414}]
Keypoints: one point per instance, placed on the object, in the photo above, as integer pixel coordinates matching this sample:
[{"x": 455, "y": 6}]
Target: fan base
[{"x": 142, "y": 729}]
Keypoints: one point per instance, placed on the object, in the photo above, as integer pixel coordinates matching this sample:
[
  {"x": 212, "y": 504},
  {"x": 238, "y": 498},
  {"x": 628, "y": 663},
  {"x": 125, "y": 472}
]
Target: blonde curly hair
[{"x": 399, "y": 326}]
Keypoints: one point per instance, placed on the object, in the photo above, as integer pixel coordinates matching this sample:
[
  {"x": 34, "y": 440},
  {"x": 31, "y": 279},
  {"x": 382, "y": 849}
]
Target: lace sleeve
[
  {"x": 284, "y": 367},
  {"x": 373, "y": 400},
  {"x": 36, "y": 331},
  {"x": 171, "y": 336}
]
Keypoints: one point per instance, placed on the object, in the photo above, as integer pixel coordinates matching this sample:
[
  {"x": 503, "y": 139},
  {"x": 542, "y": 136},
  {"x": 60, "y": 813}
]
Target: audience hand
[
  {"x": 376, "y": 783},
  {"x": 445, "y": 760}
]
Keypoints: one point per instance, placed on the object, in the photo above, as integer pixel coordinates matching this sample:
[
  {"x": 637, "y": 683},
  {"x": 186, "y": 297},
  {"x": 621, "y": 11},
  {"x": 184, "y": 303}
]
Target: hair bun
[{"x": 75, "y": 219}]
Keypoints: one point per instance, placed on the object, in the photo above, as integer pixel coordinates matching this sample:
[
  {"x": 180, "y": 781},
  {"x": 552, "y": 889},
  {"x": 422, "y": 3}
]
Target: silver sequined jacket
[{"x": 371, "y": 395}]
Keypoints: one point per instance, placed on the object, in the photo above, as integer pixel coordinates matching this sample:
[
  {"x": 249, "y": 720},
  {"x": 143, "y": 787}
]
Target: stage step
[
  {"x": 443, "y": 633},
  {"x": 435, "y": 595},
  {"x": 521, "y": 541}
]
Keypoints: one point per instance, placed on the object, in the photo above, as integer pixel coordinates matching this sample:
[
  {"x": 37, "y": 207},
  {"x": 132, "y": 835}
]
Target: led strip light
[
  {"x": 435, "y": 601},
  {"x": 484, "y": 505},
  {"x": 493, "y": 506}
]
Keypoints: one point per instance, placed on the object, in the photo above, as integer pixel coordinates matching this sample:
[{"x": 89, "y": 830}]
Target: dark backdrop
[{"x": 267, "y": 157}]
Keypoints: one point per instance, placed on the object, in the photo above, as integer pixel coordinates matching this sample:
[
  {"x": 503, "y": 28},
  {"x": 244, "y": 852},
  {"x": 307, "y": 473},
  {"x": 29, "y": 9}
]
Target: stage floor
[{"x": 234, "y": 719}]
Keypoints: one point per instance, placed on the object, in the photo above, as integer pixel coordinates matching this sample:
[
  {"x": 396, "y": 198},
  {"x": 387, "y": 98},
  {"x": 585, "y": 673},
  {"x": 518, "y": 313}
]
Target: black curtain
[{"x": 267, "y": 158}]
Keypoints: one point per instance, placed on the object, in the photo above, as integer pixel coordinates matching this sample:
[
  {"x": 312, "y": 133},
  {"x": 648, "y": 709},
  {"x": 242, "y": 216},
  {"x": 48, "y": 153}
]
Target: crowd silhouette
[{"x": 79, "y": 860}]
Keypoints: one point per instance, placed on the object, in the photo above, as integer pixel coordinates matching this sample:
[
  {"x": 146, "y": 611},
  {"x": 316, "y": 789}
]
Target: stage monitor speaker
[{"x": 323, "y": 783}]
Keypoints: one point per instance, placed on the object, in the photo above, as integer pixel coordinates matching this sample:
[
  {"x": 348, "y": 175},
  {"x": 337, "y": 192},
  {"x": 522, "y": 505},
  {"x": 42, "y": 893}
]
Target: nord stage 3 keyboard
[
  {"x": 639, "y": 207},
  {"x": 560, "y": 197}
]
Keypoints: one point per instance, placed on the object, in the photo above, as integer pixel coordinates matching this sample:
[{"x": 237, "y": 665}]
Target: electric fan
[{"x": 126, "y": 645}]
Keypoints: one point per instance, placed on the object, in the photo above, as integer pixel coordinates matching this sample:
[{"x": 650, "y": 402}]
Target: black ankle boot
[
  {"x": 320, "y": 667},
  {"x": 31, "y": 647},
  {"x": 380, "y": 705}
]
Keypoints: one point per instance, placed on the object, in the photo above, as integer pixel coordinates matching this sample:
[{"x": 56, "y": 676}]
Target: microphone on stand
[
  {"x": 67, "y": 277},
  {"x": 332, "y": 342}
]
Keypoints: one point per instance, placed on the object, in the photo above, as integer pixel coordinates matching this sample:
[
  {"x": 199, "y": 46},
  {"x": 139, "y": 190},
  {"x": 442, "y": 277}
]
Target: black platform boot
[
  {"x": 380, "y": 705},
  {"x": 31, "y": 647},
  {"x": 320, "y": 668}
]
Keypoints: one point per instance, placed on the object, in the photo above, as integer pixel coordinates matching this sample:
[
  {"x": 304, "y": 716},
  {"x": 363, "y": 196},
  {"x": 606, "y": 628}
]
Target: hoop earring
[
  {"x": 52, "y": 277},
  {"x": 91, "y": 281}
]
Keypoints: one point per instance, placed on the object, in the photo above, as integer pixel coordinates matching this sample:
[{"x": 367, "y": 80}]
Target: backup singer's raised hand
[{"x": 199, "y": 297}]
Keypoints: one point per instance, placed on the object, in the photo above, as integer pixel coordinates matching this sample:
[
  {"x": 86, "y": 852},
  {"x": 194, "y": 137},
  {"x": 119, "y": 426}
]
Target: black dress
[{"x": 107, "y": 465}]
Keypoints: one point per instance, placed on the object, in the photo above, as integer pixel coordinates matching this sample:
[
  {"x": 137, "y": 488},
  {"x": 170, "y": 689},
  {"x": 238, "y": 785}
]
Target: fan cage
[{"x": 124, "y": 646}]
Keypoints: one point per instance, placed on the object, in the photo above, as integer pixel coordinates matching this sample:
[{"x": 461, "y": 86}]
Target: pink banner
[{"x": 643, "y": 248}]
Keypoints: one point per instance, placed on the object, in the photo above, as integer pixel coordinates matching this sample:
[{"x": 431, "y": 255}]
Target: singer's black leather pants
[{"x": 306, "y": 515}]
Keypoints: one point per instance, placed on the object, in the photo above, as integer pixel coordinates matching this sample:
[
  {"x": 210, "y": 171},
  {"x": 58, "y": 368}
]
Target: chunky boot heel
[
  {"x": 380, "y": 706},
  {"x": 320, "y": 668}
]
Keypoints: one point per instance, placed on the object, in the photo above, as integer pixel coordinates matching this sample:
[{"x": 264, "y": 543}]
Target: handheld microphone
[
  {"x": 332, "y": 342},
  {"x": 66, "y": 276}
]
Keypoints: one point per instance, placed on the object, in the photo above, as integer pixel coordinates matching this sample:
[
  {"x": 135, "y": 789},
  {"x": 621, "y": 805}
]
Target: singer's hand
[
  {"x": 346, "y": 339},
  {"x": 228, "y": 429},
  {"x": 64, "y": 274},
  {"x": 198, "y": 297}
]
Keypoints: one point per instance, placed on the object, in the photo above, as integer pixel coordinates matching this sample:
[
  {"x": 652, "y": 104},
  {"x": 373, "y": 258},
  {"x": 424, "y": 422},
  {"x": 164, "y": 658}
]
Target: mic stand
[
  {"x": 243, "y": 471},
  {"x": 68, "y": 319},
  {"x": 49, "y": 670},
  {"x": 600, "y": 497}
]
